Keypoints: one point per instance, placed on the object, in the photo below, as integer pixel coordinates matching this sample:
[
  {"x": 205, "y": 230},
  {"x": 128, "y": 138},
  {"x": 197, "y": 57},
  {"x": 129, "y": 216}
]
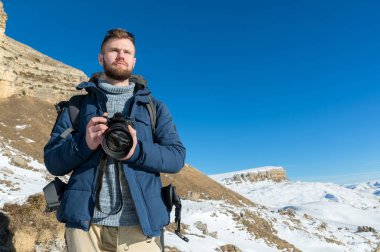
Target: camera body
[{"x": 117, "y": 140}]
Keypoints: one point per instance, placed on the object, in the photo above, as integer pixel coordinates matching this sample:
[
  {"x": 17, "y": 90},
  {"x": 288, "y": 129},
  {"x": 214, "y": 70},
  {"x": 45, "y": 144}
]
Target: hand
[
  {"x": 134, "y": 137},
  {"x": 95, "y": 130}
]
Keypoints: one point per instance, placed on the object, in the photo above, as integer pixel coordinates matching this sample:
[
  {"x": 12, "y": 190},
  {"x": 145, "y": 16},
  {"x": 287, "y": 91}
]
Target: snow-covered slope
[
  {"x": 212, "y": 224},
  {"x": 320, "y": 209},
  {"x": 16, "y": 182}
]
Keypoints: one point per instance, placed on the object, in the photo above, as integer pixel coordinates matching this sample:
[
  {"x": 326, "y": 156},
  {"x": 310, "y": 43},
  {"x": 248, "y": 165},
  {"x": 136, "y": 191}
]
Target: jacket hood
[{"x": 91, "y": 86}]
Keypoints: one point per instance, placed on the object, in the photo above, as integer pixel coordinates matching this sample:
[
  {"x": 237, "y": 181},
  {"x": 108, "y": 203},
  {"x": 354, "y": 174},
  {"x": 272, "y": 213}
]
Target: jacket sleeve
[
  {"x": 62, "y": 155},
  {"x": 167, "y": 153}
]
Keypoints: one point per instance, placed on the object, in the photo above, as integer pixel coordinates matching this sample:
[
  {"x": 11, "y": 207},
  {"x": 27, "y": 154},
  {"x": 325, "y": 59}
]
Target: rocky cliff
[
  {"x": 25, "y": 71},
  {"x": 276, "y": 174},
  {"x": 3, "y": 18}
]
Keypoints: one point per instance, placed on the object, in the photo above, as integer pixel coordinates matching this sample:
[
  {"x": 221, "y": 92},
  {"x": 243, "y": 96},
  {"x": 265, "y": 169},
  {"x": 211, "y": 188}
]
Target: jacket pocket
[
  {"x": 75, "y": 206},
  {"x": 158, "y": 212},
  {"x": 150, "y": 186}
]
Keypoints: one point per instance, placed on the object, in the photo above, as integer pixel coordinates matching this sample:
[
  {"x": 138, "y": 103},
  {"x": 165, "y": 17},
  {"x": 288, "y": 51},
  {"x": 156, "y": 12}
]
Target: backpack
[{"x": 54, "y": 190}]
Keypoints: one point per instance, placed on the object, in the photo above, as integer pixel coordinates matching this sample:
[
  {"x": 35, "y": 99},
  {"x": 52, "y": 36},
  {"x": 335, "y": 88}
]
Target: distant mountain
[
  {"x": 319, "y": 208},
  {"x": 372, "y": 187},
  {"x": 274, "y": 173}
]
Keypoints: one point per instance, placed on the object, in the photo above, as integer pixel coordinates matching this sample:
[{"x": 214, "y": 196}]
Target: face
[{"x": 118, "y": 59}]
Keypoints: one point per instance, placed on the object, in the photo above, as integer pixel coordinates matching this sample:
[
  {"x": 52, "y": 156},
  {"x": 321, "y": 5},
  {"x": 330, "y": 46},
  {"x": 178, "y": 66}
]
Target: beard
[{"x": 113, "y": 72}]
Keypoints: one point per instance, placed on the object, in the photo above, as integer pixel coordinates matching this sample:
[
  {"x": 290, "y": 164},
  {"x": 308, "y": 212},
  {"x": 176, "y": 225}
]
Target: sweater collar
[{"x": 111, "y": 89}]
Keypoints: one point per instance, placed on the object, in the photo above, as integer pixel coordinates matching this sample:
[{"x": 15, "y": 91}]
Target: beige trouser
[{"x": 107, "y": 239}]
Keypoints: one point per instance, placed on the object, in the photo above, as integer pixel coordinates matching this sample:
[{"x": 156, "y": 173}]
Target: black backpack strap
[
  {"x": 178, "y": 208},
  {"x": 162, "y": 240},
  {"x": 152, "y": 114},
  {"x": 141, "y": 83},
  {"x": 73, "y": 105},
  {"x": 59, "y": 107},
  {"x": 171, "y": 198}
]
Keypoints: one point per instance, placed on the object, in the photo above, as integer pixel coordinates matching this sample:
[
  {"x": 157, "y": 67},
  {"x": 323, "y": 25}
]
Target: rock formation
[
  {"x": 274, "y": 174},
  {"x": 25, "y": 71},
  {"x": 3, "y": 18}
]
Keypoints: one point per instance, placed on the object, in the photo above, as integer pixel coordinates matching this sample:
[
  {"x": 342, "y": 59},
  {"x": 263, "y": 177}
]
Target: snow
[
  {"x": 17, "y": 184},
  {"x": 21, "y": 127},
  {"x": 27, "y": 140},
  {"x": 218, "y": 217}
]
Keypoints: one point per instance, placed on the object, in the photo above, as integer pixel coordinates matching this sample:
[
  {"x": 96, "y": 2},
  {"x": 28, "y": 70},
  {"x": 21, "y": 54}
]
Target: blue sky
[{"x": 249, "y": 83}]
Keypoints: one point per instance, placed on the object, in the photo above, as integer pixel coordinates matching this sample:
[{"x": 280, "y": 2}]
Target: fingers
[
  {"x": 97, "y": 120},
  {"x": 94, "y": 131},
  {"x": 99, "y": 128},
  {"x": 132, "y": 131}
]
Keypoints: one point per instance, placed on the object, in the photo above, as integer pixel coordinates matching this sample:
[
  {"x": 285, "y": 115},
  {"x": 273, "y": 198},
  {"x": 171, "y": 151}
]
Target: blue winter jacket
[{"x": 162, "y": 152}]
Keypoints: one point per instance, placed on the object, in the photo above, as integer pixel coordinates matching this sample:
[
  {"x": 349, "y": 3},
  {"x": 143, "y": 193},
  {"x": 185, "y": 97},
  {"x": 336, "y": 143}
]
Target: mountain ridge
[{"x": 274, "y": 173}]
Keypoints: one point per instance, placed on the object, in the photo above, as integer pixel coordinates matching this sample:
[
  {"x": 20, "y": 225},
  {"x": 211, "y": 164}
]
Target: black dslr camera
[{"x": 117, "y": 140}]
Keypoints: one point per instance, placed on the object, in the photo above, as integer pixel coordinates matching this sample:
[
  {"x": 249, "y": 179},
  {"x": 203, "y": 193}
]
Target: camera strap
[{"x": 99, "y": 182}]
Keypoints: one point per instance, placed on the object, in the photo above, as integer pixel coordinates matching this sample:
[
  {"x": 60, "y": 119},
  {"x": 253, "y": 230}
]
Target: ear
[{"x": 100, "y": 59}]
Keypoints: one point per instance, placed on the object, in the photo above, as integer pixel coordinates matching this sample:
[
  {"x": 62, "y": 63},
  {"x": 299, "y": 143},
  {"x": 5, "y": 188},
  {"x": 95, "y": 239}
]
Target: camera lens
[{"x": 118, "y": 141}]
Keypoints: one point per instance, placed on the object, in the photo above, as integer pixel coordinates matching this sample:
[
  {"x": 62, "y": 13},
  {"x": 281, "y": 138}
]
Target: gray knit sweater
[{"x": 115, "y": 192}]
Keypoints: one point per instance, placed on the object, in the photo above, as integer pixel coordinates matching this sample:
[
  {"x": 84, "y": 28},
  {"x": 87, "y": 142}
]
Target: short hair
[{"x": 117, "y": 33}]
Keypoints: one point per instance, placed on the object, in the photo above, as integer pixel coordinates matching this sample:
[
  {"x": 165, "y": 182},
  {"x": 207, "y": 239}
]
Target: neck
[{"x": 116, "y": 82}]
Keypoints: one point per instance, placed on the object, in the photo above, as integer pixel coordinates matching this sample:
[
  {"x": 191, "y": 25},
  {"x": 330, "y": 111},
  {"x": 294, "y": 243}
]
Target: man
[{"x": 108, "y": 204}]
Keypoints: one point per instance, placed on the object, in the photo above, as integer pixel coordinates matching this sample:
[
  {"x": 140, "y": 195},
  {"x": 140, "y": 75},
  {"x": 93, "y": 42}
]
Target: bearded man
[{"x": 114, "y": 204}]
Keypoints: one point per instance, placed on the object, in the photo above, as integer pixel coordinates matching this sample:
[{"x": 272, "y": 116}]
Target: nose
[{"x": 120, "y": 55}]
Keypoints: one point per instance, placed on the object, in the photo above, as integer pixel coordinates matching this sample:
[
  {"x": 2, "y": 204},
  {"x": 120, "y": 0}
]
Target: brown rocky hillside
[
  {"x": 193, "y": 184},
  {"x": 36, "y": 117}
]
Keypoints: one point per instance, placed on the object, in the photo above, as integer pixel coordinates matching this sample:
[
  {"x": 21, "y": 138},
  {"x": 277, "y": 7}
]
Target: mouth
[{"x": 120, "y": 64}]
